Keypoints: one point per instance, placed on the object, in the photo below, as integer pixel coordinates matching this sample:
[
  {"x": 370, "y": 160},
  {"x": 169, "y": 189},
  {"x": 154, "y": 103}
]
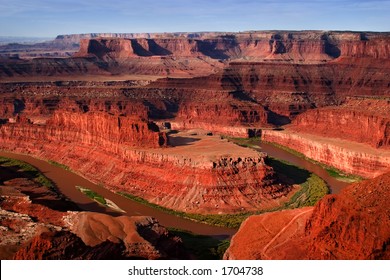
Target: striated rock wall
[
  {"x": 377, "y": 48},
  {"x": 354, "y": 224},
  {"x": 351, "y": 157},
  {"x": 99, "y": 129},
  {"x": 112, "y": 150},
  {"x": 237, "y": 119},
  {"x": 285, "y": 46},
  {"x": 360, "y": 120}
]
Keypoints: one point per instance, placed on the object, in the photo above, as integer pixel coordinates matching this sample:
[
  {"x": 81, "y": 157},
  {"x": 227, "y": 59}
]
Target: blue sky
[{"x": 48, "y": 18}]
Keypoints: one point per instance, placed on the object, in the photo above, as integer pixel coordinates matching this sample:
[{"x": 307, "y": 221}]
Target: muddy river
[
  {"x": 335, "y": 185},
  {"x": 66, "y": 182}
]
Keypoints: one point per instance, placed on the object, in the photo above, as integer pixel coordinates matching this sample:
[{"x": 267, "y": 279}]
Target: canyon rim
[{"x": 177, "y": 122}]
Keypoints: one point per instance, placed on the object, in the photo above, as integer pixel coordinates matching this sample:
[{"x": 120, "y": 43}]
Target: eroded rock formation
[
  {"x": 352, "y": 225},
  {"x": 353, "y": 137},
  {"x": 97, "y": 103},
  {"x": 198, "y": 174},
  {"x": 361, "y": 120},
  {"x": 350, "y": 157},
  {"x": 36, "y": 224}
]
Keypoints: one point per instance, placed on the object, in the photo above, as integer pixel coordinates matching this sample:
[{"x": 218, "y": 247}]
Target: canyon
[
  {"x": 153, "y": 115},
  {"x": 353, "y": 137}
]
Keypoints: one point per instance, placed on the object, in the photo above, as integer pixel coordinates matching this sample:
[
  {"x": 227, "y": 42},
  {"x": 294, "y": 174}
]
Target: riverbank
[
  {"x": 66, "y": 182},
  {"x": 350, "y": 157},
  {"x": 256, "y": 143},
  {"x": 197, "y": 223}
]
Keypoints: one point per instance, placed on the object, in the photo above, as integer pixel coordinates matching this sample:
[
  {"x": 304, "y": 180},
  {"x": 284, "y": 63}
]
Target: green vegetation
[
  {"x": 201, "y": 246},
  {"x": 29, "y": 171},
  {"x": 63, "y": 166},
  {"x": 93, "y": 195},
  {"x": 311, "y": 191},
  {"x": 223, "y": 220},
  {"x": 340, "y": 175},
  {"x": 313, "y": 188}
]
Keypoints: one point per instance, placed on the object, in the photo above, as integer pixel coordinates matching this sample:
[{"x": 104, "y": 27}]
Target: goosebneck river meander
[{"x": 64, "y": 179}]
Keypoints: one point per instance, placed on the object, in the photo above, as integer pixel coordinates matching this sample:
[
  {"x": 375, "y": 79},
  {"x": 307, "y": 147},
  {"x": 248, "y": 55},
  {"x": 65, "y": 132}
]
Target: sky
[{"x": 48, "y": 18}]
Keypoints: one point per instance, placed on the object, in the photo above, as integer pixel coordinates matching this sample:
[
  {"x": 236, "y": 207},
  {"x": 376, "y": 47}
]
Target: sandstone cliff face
[
  {"x": 89, "y": 129},
  {"x": 287, "y": 46},
  {"x": 351, "y": 157},
  {"x": 354, "y": 224},
  {"x": 104, "y": 128},
  {"x": 360, "y": 120},
  {"x": 207, "y": 178},
  {"x": 375, "y": 48},
  {"x": 238, "y": 119}
]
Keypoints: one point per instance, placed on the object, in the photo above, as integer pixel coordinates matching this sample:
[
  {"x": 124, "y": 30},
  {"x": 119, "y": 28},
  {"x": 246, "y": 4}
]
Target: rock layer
[
  {"x": 350, "y": 157},
  {"x": 200, "y": 174},
  {"x": 361, "y": 120},
  {"x": 36, "y": 224},
  {"x": 352, "y": 225}
]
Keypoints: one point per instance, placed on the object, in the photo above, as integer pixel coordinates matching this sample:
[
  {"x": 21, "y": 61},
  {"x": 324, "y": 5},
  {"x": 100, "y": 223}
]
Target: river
[
  {"x": 66, "y": 182},
  {"x": 335, "y": 185}
]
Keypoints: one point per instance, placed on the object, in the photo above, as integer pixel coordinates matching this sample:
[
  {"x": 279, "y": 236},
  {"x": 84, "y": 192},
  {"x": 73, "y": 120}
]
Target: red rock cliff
[
  {"x": 354, "y": 224},
  {"x": 350, "y": 157},
  {"x": 89, "y": 129},
  {"x": 208, "y": 176},
  {"x": 361, "y": 120}
]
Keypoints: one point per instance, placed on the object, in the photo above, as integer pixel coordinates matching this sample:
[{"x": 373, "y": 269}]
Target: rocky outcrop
[
  {"x": 350, "y": 157},
  {"x": 102, "y": 237},
  {"x": 142, "y": 237},
  {"x": 36, "y": 223},
  {"x": 100, "y": 129},
  {"x": 362, "y": 120},
  {"x": 64, "y": 245},
  {"x": 354, "y": 224},
  {"x": 201, "y": 174}
]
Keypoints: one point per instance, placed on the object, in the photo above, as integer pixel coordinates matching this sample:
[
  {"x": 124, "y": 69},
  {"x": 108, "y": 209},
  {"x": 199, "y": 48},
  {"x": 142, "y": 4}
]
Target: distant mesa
[{"x": 156, "y": 116}]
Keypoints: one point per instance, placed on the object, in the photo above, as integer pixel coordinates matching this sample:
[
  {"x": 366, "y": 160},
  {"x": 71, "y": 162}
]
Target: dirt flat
[{"x": 195, "y": 144}]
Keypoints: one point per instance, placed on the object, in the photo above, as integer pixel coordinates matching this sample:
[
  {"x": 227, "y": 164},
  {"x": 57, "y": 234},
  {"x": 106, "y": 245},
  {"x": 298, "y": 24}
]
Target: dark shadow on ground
[
  {"x": 181, "y": 141},
  {"x": 288, "y": 173}
]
